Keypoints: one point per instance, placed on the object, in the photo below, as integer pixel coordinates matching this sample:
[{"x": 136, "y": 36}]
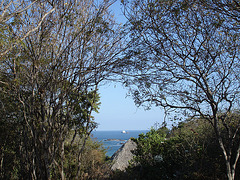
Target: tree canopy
[
  {"x": 184, "y": 57},
  {"x": 58, "y": 53}
]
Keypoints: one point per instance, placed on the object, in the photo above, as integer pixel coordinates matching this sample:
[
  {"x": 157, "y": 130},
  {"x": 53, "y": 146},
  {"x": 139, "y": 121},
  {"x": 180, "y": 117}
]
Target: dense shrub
[{"x": 189, "y": 151}]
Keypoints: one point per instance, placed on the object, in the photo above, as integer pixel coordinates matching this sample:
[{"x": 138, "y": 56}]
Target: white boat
[{"x": 124, "y": 132}]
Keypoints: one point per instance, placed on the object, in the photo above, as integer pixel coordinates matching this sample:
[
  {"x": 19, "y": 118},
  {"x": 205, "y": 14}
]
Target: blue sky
[{"x": 118, "y": 112}]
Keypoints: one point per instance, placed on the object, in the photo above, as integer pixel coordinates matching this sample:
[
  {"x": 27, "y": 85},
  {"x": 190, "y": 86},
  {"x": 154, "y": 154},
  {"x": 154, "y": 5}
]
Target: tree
[
  {"x": 185, "y": 57},
  {"x": 228, "y": 8},
  {"x": 11, "y": 13},
  {"x": 53, "y": 75},
  {"x": 93, "y": 163}
]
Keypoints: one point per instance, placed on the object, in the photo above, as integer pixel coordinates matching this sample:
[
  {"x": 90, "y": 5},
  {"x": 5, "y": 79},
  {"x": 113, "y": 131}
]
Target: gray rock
[{"x": 122, "y": 157}]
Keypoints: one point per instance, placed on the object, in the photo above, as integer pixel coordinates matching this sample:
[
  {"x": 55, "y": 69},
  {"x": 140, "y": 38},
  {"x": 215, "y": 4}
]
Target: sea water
[{"x": 113, "y": 140}]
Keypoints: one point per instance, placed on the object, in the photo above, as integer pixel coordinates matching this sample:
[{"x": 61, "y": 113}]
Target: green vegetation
[
  {"x": 181, "y": 55},
  {"x": 184, "y": 57},
  {"x": 92, "y": 163},
  {"x": 188, "y": 151},
  {"x": 54, "y": 55}
]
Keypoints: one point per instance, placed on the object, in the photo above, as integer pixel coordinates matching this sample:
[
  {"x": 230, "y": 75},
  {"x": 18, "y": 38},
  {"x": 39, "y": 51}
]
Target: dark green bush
[{"x": 189, "y": 151}]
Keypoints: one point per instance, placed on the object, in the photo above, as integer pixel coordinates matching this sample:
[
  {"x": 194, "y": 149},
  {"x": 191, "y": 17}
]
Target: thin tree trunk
[
  {"x": 230, "y": 169},
  {"x": 1, "y": 168},
  {"x": 62, "y": 162}
]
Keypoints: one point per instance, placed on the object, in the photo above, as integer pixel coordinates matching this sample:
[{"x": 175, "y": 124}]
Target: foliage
[
  {"x": 149, "y": 146},
  {"x": 184, "y": 57},
  {"x": 12, "y": 29},
  {"x": 13, "y": 162},
  {"x": 55, "y": 55},
  {"x": 93, "y": 161},
  {"x": 188, "y": 151}
]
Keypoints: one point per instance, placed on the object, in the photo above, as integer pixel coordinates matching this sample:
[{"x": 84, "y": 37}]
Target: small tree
[{"x": 185, "y": 57}]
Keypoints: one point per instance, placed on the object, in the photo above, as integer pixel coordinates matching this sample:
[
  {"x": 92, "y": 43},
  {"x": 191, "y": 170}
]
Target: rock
[{"x": 123, "y": 155}]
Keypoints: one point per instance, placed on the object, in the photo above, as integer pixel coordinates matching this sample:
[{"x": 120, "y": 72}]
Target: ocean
[{"x": 113, "y": 140}]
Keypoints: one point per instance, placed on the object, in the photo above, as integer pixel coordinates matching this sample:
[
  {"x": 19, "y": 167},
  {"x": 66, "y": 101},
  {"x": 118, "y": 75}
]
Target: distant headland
[{"x": 114, "y": 140}]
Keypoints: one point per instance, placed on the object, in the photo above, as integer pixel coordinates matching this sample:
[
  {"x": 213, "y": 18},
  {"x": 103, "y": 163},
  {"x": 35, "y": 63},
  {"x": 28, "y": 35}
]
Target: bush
[
  {"x": 189, "y": 151},
  {"x": 92, "y": 163}
]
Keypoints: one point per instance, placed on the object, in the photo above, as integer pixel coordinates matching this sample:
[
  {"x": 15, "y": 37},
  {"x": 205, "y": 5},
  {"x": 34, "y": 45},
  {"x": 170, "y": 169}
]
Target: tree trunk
[
  {"x": 230, "y": 170},
  {"x": 62, "y": 162}
]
